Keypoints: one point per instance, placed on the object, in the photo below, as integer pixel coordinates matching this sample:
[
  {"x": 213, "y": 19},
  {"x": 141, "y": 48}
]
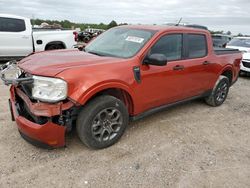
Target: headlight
[{"x": 49, "y": 89}]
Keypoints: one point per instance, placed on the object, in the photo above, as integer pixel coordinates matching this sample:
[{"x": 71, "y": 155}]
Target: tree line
[{"x": 68, "y": 24}]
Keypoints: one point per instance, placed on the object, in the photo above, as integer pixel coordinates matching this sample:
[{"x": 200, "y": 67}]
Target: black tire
[
  {"x": 242, "y": 73},
  {"x": 102, "y": 122},
  {"x": 219, "y": 93},
  {"x": 55, "y": 47}
]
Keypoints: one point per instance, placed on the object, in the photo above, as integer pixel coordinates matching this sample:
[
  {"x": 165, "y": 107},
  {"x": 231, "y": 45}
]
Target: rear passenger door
[{"x": 196, "y": 65}]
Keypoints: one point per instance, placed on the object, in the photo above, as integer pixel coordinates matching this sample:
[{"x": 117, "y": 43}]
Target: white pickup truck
[{"x": 18, "y": 39}]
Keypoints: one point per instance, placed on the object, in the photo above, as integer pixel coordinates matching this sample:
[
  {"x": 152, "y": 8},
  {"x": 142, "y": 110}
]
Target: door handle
[
  {"x": 206, "y": 63},
  {"x": 25, "y": 37},
  {"x": 178, "y": 67}
]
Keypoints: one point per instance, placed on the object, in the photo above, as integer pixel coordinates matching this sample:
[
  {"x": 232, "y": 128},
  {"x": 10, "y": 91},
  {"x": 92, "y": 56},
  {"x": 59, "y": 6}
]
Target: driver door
[{"x": 164, "y": 84}]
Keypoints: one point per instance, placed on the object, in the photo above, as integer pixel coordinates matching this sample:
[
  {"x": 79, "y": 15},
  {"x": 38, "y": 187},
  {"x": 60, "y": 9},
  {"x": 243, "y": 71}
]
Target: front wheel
[
  {"x": 219, "y": 93},
  {"x": 102, "y": 122}
]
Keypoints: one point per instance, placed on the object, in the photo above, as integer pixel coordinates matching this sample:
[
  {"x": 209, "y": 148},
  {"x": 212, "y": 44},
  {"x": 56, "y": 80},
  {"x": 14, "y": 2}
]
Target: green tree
[
  {"x": 67, "y": 24},
  {"x": 229, "y": 33},
  {"x": 112, "y": 24}
]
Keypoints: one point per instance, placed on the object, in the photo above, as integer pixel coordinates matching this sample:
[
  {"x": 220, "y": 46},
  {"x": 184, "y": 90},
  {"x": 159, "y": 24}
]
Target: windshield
[
  {"x": 119, "y": 42},
  {"x": 241, "y": 42}
]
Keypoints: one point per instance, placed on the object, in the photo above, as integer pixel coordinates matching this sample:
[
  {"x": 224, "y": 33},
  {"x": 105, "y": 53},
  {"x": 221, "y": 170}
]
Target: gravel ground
[{"x": 191, "y": 145}]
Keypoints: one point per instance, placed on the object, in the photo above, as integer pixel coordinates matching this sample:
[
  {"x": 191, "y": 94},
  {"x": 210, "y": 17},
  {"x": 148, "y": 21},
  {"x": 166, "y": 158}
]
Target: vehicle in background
[
  {"x": 17, "y": 39},
  {"x": 92, "y": 30},
  {"x": 220, "y": 40},
  {"x": 86, "y": 36},
  {"x": 242, "y": 44},
  {"x": 126, "y": 73}
]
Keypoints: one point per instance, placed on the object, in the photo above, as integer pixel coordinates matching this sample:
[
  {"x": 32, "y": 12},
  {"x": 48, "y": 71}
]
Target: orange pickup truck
[{"x": 123, "y": 75}]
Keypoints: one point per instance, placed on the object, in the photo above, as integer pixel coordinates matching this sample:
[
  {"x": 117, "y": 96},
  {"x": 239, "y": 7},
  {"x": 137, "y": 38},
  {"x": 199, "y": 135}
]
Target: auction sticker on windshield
[{"x": 134, "y": 39}]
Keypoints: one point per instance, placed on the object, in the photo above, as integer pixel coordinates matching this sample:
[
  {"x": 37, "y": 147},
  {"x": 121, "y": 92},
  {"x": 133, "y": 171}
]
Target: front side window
[
  {"x": 170, "y": 46},
  {"x": 11, "y": 25},
  {"x": 120, "y": 42},
  {"x": 196, "y": 45}
]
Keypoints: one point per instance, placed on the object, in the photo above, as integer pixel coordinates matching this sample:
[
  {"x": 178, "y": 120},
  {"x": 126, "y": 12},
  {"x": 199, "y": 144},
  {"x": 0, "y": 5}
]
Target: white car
[
  {"x": 242, "y": 44},
  {"x": 17, "y": 38}
]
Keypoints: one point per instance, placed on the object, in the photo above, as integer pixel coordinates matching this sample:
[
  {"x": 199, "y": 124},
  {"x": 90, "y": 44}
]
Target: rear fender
[{"x": 229, "y": 68}]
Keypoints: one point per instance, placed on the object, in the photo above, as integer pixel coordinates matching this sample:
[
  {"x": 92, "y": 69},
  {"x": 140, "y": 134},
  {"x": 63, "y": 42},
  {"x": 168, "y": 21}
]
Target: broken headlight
[{"x": 49, "y": 89}]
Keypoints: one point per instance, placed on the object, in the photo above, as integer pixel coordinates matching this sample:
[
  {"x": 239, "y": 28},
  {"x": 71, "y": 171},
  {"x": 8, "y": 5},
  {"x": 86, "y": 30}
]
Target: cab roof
[
  {"x": 12, "y": 16},
  {"x": 163, "y": 28}
]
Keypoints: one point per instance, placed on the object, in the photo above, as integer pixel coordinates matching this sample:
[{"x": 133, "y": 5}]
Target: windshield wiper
[
  {"x": 95, "y": 53},
  {"x": 102, "y": 54}
]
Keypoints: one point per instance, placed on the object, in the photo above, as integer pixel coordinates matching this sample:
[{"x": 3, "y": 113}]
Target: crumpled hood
[{"x": 51, "y": 63}]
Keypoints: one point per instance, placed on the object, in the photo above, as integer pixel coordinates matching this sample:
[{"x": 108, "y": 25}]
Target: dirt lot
[{"x": 191, "y": 145}]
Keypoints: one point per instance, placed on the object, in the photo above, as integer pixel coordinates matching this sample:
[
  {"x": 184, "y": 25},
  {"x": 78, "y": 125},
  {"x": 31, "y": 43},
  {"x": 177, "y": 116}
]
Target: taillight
[{"x": 76, "y": 35}]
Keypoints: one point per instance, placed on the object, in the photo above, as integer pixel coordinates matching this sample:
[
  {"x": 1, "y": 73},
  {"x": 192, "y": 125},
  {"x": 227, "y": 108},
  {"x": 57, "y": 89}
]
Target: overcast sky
[{"x": 224, "y": 15}]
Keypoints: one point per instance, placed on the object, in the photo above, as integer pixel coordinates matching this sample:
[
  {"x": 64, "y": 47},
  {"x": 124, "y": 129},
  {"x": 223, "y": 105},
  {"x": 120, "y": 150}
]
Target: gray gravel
[{"x": 191, "y": 145}]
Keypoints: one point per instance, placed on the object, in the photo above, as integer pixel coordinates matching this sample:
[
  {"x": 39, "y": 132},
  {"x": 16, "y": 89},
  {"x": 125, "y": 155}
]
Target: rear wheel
[
  {"x": 102, "y": 122},
  {"x": 219, "y": 93}
]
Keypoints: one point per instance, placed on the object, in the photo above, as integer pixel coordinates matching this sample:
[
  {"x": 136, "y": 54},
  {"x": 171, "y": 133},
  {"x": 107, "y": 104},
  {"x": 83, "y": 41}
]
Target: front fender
[{"x": 83, "y": 97}]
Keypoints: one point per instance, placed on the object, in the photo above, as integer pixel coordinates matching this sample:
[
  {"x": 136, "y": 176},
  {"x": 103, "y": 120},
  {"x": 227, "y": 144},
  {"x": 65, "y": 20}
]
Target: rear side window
[
  {"x": 197, "y": 45},
  {"x": 170, "y": 46},
  {"x": 11, "y": 25}
]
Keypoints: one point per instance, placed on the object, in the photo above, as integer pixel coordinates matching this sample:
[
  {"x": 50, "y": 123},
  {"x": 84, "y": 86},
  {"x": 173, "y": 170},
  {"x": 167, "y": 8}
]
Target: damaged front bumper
[
  {"x": 35, "y": 121},
  {"x": 42, "y": 132},
  {"x": 42, "y": 124}
]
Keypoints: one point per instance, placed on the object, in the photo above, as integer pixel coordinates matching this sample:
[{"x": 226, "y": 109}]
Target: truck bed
[{"x": 222, "y": 51}]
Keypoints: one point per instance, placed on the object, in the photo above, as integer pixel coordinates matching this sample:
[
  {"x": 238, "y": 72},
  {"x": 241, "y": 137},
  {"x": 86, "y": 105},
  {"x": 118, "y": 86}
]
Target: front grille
[
  {"x": 27, "y": 89},
  {"x": 246, "y": 64},
  {"x": 23, "y": 110}
]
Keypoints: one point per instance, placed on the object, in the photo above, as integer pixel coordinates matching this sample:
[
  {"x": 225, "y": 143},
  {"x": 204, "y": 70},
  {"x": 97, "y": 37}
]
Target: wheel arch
[
  {"x": 119, "y": 91},
  {"x": 228, "y": 72},
  {"x": 55, "y": 43}
]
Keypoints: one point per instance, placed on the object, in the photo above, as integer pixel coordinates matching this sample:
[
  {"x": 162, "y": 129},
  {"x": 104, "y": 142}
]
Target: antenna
[{"x": 179, "y": 22}]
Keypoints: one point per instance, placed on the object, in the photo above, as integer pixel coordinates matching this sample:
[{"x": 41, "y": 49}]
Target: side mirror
[{"x": 156, "y": 59}]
